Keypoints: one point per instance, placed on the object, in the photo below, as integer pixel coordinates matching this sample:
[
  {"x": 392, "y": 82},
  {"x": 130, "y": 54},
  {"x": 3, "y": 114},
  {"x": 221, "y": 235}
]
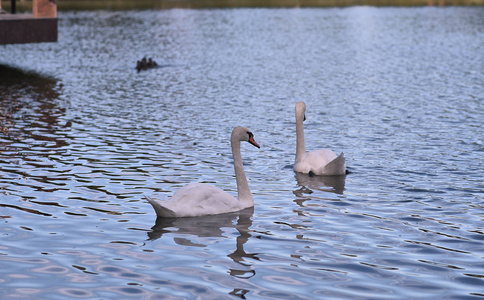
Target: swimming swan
[
  {"x": 201, "y": 199},
  {"x": 317, "y": 162}
]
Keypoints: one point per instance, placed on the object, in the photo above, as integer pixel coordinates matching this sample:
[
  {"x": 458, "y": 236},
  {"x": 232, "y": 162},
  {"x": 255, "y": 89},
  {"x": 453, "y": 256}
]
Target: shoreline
[{"x": 65, "y": 5}]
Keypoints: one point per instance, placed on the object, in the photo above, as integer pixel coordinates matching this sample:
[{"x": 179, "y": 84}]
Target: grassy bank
[{"x": 26, "y": 5}]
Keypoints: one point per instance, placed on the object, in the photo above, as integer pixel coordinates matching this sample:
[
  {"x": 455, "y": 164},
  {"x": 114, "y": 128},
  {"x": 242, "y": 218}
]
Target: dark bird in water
[{"x": 145, "y": 64}]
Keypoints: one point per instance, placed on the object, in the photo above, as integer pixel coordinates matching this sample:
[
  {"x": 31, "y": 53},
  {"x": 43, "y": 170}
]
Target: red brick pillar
[{"x": 44, "y": 8}]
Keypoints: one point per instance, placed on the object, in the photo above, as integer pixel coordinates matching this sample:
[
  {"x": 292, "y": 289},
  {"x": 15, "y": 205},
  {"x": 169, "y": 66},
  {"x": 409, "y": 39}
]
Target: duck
[
  {"x": 202, "y": 199},
  {"x": 316, "y": 162},
  {"x": 152, "y": 63},
  {"x": 145, "y": 64}
]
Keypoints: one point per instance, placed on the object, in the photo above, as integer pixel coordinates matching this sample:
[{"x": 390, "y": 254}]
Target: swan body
[
  {"x": 196, "y": 199},
  {"x": 201, "y": 199},
  {"x": 317, "y": 162}
]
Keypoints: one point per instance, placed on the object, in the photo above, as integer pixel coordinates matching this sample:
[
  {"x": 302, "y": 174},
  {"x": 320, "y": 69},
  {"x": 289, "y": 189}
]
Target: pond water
[{"x": 84, "y": 136}]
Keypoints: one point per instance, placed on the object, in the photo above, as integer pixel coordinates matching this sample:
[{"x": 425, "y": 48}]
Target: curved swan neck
[
  {"x": 243, "y": 191},
  {"x": 300, "y": 148}
]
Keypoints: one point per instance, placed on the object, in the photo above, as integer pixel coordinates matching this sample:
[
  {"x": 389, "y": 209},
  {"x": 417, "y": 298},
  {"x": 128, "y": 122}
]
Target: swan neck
[
  {"x": 243, "y": 191},
  {"x": 300, "y": 148}
]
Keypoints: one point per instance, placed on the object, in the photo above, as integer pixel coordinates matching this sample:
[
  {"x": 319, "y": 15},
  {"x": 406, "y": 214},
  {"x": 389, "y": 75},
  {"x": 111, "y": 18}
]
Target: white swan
[
  {"x": 201, "y": 199},
  {"x": 317, "y": 162}
]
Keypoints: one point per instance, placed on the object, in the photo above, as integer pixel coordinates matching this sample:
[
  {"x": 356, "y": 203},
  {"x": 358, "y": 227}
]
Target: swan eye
[{"x": 250, "y": 134}]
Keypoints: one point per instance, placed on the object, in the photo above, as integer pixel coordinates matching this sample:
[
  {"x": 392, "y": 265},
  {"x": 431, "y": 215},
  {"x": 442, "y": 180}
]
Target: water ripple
[{"x": 399, "y": 91}]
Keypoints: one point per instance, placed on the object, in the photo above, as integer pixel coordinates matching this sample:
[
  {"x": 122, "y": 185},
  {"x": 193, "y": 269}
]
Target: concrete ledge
[{"x": 24, "y": 28}]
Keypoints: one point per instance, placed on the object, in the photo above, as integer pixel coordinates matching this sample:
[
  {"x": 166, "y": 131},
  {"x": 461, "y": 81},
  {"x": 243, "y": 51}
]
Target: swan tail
[
  {"x": 160, "y": 210},
  {"x": 335, "y": 167}
]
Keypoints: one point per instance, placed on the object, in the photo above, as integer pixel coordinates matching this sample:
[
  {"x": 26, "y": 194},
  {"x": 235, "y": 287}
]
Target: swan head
[
  {"x": 244, "y": 134},
  {"x": 301, "y": 111}
]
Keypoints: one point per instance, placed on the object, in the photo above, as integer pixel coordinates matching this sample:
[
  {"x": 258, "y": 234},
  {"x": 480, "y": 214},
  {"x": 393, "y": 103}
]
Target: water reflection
[
  {"x": 30, "y": 134},
  {"x": 307, "y": 183},
  {"x": 27, "y": 108},
  {"x": 211, "y": 226},
  {"x": 16, "y": 82}
]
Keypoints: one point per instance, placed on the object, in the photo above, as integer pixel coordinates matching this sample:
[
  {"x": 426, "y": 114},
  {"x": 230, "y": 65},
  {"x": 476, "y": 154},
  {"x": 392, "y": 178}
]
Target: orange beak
[{"x": 253, "y": 142}]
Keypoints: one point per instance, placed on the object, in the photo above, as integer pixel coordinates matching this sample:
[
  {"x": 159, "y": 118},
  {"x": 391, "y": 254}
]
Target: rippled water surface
[{"x": 84, "y": 136}]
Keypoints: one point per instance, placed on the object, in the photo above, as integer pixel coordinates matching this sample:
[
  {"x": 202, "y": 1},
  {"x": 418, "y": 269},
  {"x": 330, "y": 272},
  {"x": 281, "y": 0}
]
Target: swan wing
[
  {"x": 314, "y": 161},
  {"x": 197, "y": 199},
  {"x": 321, "y": 162},
  {"x": 160, "y": 210},
  {"x": 335, "y": 167}
]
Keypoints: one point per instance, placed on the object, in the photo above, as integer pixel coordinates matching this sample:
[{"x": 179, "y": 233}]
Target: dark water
[{"x": 84, "y": 136}]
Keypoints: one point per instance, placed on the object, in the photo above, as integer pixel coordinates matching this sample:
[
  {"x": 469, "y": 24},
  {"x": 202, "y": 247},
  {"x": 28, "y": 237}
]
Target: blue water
[{"x": 84, "y": 136}]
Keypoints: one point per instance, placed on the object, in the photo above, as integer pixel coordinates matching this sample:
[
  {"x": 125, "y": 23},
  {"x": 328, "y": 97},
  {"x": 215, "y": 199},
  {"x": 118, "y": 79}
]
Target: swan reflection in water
[
  {"x": 308, "y": 183},
  {"x": 211, "y": 226}
]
